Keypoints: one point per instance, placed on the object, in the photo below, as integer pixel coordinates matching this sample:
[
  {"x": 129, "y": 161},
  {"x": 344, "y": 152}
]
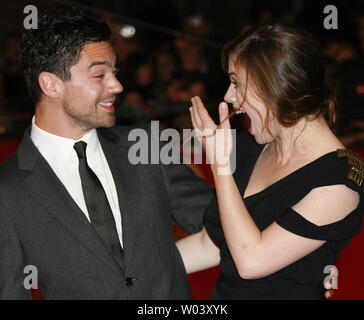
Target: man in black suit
[{"x": 71, "y": 203}]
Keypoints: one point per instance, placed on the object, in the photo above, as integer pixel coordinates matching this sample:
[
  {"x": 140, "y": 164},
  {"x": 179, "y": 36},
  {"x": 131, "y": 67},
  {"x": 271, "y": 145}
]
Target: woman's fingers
[
  {"x": 193, "y": 118},
  {"x": 196, "y": 116},
  {"x": 217, "y": 144},
  {"x": 329, "y": 294},
  {"x": 202, "y": 122},
  {"x": 197, "y": 131},
  {"x": 203, "y": 115},
  {"x": 224, "y": 116}
]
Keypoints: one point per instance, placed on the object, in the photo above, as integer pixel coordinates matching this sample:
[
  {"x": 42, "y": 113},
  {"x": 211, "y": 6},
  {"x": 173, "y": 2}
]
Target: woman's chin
[{"x": 262, "y": 139}]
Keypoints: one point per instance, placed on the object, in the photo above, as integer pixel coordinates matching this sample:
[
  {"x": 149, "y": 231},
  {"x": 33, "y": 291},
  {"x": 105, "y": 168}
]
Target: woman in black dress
[{"x": 293, "y": 203}]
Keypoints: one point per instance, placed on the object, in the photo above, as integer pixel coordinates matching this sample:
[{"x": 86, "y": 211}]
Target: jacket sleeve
[
  {"x": 189, "y": 195},
  {"x": 11, "y": 261}
]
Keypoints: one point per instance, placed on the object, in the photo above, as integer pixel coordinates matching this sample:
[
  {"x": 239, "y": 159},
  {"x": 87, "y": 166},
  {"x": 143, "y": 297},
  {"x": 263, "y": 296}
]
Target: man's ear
[{"x": 51, "y": 85}]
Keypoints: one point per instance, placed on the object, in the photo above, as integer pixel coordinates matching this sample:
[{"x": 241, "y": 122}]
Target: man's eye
[{"x": 100, "y": 76}]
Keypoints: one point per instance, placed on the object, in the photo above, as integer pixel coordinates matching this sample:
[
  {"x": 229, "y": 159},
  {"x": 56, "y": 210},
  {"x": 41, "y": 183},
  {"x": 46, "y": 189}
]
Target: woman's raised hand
[{"x": 215, "y": 139}]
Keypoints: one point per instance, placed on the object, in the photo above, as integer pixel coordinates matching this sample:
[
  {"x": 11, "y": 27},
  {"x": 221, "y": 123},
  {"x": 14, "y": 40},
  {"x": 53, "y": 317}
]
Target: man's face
[{"x": 88, "y": 98}]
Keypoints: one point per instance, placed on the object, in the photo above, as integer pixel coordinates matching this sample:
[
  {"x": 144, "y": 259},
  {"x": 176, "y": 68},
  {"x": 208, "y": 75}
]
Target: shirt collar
[{"x": 60, "y": 146}]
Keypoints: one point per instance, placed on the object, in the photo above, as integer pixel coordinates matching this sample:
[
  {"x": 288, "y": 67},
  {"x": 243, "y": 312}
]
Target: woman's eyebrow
[{"x": 233, "y": 76}]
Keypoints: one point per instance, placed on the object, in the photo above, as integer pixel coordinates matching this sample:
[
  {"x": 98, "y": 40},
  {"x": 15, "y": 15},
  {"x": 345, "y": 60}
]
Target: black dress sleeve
[
  {"x": 340, "y": 230},
  {"x": 345, "y": 168}
]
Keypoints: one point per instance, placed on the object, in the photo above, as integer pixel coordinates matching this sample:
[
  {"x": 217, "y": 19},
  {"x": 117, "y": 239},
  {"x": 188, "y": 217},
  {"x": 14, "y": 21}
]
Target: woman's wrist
[{"x": 221, "y": 170}]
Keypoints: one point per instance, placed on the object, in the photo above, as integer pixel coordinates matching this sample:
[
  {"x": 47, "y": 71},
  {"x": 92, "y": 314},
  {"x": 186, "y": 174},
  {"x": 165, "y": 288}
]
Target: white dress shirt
[{"x": 59, "y": 153}]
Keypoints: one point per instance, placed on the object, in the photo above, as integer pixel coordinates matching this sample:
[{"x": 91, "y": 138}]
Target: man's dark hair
[{"x": 56, "y": 45}]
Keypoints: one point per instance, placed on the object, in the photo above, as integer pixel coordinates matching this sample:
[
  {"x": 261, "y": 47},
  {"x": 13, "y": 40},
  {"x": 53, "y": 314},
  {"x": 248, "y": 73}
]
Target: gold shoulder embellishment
[{"x": 357, "y": 170}]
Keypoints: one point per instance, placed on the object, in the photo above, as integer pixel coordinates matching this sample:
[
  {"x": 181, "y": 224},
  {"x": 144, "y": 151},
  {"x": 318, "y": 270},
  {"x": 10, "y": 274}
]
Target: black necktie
[{"x": 98, "y": 206}]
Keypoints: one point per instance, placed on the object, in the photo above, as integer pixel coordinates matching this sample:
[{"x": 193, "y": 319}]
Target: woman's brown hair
[{"x": 287, "y": 69}]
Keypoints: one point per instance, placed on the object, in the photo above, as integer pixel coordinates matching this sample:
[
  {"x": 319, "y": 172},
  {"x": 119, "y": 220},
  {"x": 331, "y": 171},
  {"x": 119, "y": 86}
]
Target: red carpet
[
  {"x": 203, "y": 282},
  {"x": 7, "y": 148}
]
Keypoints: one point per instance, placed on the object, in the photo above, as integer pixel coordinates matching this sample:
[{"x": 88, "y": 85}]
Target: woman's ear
[{"x": 51, "y": 85}]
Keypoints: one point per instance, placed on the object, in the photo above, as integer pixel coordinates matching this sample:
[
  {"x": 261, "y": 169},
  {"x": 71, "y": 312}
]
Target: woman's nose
[{"x": 230, "y": 95}]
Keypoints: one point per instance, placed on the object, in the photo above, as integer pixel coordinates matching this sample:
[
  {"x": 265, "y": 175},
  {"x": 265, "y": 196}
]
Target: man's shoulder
[
  {"x": 9, "y": 171},
  {"x": 125, "y": 134},
  {"x": 9, "y": 164},
  {"x": 121, "y": 129},
  {"x": 16, "y": 165}
]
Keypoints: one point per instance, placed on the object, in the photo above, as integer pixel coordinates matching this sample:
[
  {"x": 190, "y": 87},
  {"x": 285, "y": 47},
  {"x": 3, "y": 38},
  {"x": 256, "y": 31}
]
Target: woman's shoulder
[
  {"x": 330, "y": 204},
  {"x": 342, "y": 166}
]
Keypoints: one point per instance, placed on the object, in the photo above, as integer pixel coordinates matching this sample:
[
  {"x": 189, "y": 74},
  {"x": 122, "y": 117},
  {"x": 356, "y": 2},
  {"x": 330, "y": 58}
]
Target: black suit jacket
[{"x": 41, "y": 225}]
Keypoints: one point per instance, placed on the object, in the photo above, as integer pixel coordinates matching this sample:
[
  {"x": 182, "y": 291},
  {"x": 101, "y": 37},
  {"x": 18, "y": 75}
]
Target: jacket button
[{"x": 129, "y": 281}]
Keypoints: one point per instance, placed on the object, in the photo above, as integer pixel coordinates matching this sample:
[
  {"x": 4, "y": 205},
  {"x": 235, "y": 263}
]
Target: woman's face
[{"x": 252, "y": 105}]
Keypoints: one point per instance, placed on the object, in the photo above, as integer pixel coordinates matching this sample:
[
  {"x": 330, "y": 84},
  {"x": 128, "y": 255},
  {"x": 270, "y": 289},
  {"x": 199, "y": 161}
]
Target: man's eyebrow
[{"x": 100, "y": 63}]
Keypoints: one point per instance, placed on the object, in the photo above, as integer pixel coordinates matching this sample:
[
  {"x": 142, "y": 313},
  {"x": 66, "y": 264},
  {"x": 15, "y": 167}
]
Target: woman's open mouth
[{"x": 241, "y": 110}]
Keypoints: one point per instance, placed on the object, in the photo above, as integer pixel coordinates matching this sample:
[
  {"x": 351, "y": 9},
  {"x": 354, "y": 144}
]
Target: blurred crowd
[{"x": 161, "y": 71}]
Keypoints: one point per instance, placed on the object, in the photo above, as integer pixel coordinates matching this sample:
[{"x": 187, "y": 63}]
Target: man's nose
[{"x": 116, "y": 87}]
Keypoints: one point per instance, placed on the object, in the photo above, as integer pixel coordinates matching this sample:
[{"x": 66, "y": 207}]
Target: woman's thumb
[{"x": 224, "y": 115}]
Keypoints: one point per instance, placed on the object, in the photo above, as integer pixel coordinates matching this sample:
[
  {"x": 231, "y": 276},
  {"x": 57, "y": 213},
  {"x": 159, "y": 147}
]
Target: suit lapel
[
  {"x": 47, "y": 189},
  {"x": 127, "y": 182}
]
